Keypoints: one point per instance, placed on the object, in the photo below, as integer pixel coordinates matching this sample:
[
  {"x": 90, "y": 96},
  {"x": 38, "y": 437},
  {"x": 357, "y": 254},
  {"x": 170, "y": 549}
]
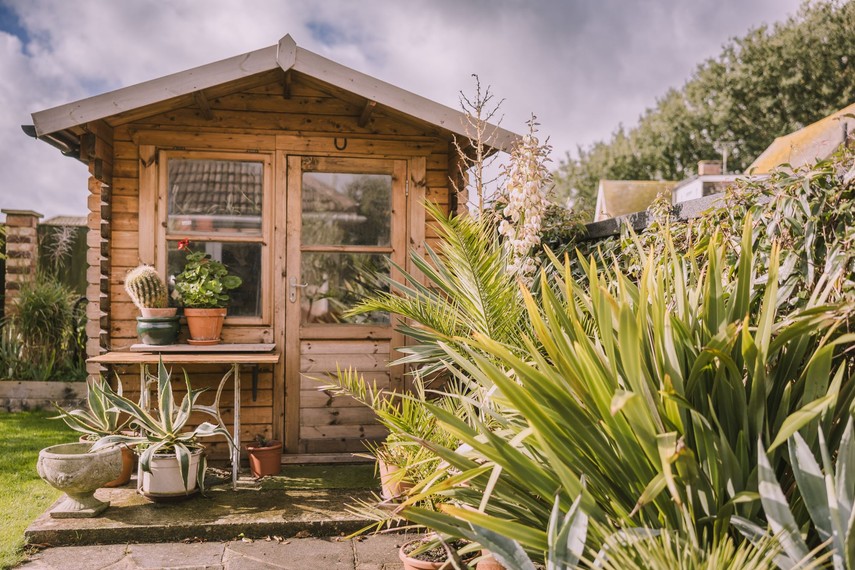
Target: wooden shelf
[{"x": 197, "y": 349}]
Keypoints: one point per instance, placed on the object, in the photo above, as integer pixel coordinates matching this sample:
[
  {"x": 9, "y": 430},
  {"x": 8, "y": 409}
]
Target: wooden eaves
[{"x": 285, "y": 55}]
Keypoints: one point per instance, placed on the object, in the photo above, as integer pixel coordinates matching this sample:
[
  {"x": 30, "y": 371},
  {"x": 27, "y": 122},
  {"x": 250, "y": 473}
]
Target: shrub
[{"x": 44, "y": 336}]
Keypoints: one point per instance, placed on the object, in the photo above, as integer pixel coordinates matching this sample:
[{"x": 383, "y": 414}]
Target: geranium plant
[{"x": 205, "y": 282}]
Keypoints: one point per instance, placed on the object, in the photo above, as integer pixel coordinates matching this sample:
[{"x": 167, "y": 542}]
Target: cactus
[{"x": 146, "y": 288}]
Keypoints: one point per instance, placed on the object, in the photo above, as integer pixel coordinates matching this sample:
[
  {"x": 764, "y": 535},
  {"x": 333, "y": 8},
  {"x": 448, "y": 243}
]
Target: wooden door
[{"x": 346, "y": 231}]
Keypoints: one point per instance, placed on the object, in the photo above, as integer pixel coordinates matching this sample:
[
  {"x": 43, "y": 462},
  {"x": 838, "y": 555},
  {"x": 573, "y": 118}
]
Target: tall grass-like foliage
[
  {"x": 656, "y": 392},
  {"x": 44, "y": 337}
]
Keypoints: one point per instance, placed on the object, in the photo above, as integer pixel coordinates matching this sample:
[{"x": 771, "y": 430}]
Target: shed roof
[
  {"x": 621, "y": 197},
  {"x": 815, "y": 141},
  {"x": 285, "y": 55}
]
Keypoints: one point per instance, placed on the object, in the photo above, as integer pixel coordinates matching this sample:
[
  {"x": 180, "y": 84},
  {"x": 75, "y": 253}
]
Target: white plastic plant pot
[{"x": 164, "y": 481}]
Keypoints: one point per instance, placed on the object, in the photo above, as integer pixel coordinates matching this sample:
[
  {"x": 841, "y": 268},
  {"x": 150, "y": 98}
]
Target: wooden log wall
[
  {"x": 97, "y": 150},
  {"x": 262, "y": 116}
]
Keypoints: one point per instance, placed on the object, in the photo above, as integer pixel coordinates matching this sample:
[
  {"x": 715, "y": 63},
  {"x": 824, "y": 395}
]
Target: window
[
  {"x": 346, "y": 243},
  {"x": 218, "y": 202}
]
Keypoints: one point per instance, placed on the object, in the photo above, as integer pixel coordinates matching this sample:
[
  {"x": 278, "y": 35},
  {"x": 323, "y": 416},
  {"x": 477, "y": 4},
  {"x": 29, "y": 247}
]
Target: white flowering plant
[{"x": 525, "y": 202}]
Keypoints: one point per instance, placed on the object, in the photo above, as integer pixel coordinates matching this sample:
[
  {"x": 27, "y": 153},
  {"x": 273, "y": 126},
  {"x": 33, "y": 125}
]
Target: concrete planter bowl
[{"x": 70, "y": 468}]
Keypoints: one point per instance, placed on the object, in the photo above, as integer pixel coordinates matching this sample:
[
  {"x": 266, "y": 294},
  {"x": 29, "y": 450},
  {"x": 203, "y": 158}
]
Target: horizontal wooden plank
[
  {"x": 341, "y": 445},
  {"x": 330, "y": 363},
  {"x": 380, "y": 378},
  {"x": 342, "y": 347},
  {"x": 275, "y": 103},
  {"x": 342, "y": 432},
  {"x": 147, "y": 358},
  {"x": 323, "y": 417},
  {"x": 203, "y": 140},
  {"x": 319, "y": 399},
  {"x": 216, "y": 348},
  {"x": 346, "y": 332}
]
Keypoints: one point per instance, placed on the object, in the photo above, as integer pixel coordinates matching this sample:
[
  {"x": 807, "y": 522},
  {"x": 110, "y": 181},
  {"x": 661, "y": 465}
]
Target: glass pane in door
[
  {"x": 336, "y": 282},
  {"x": 346, "y": 209}
]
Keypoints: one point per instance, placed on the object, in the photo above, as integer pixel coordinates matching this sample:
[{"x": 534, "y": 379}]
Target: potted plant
[
  {"x": 430, "y": 553},
  {"x": 171, "y": 461},
  {"x": 157, "y": 324},
  {"x": 203, "y": 287},
  {"x": 393, "y": 457},
  {"x": 265, "y": 457},
  {"x": 98, "y": 421}
]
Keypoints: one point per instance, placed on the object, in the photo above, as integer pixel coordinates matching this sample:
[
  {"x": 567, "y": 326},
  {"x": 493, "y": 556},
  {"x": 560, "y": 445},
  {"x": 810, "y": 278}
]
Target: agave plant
[
  {"x": 100, "y": 418},
  {"x": 165, "y": 432}
]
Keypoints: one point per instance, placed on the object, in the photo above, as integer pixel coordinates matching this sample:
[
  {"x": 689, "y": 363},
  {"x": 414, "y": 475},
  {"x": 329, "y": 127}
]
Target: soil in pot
[
  {"x": 265, "y": 460},
  {"x": 434, "y": 559}
]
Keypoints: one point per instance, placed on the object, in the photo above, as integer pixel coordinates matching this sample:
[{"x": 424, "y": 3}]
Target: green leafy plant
[
  {"x": 48, "y": 322},
  {"x": 164, "y": 431},
  {"x": 827, "y": 495},
  {"x": 205, "y": 282},
  {"x": 146, "y": 288},
  {"x": 653, "y": 393},
  {"x": 99, "y": 419},
  {"x": 468, "y": 290}
]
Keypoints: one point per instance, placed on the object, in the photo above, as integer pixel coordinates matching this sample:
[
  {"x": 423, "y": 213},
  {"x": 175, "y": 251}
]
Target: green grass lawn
[{"x": 23, "y": 495}]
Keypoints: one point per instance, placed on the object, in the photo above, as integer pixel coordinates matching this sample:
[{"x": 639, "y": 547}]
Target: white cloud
[{"x": 582, "y": 67}]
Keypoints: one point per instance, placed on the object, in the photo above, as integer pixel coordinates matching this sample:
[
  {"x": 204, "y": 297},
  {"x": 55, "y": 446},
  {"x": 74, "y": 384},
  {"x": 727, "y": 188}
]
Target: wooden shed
[{"x": 297, "y": 172}]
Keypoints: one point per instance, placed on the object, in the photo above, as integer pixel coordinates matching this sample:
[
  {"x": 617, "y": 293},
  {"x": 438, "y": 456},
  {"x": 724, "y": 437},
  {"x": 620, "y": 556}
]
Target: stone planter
[{"x": 70, "y": 468}]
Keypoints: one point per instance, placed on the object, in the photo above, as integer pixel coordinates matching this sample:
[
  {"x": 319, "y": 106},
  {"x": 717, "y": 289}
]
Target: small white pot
[{"x": 164, "y": 480}]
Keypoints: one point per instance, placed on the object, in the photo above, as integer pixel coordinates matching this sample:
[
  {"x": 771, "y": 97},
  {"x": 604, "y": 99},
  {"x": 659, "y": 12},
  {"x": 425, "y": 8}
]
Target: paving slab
[
  {"x": 379, "y": 552},
  {"x": 223, "y": 514}
]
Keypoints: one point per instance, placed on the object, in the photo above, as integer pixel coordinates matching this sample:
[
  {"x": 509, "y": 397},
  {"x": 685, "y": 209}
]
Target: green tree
[{"x": 770, "y": 82}]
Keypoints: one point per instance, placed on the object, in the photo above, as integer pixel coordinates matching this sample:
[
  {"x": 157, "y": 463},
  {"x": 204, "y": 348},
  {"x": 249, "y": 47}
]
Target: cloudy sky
[{"x": 582, "y": 66}]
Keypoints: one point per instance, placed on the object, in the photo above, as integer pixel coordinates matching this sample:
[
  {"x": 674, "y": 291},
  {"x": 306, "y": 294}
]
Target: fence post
[{"x": 21, "y": 252}]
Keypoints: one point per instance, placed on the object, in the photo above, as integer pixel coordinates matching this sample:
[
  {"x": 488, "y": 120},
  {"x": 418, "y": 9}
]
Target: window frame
[{"x": 164, "y": 235}]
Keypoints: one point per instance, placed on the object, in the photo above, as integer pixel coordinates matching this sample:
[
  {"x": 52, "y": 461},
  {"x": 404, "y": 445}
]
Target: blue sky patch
[
  {"x": 11, "y": 23},
  {"x": 325, "y": 32}
]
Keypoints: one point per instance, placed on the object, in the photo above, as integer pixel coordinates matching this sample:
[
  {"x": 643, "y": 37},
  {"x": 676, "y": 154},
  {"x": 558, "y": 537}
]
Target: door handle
[{"x": 292, "y": 289}]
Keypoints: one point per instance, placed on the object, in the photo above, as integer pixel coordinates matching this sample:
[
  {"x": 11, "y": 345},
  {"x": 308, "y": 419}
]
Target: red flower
[{"x": 184, "y": 244}]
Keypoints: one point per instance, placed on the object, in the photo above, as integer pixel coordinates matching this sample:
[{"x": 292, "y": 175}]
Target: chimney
[{"x": 709, "y": 167}]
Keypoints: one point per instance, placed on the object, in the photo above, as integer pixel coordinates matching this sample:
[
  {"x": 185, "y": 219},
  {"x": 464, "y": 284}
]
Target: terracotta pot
[
  {"x": 149, "y": 312},
  {"x": 411, "y": 563},
  {"x": 265, "y": 460},
  {"x": 128, "y": 462},
  {"x": 205, "y": 325},
  {"x": 488, "y": 562},
  {"x": 391, "y": 484}
]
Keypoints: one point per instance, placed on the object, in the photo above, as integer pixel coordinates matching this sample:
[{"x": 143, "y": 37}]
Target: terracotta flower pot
[
  {"x": 205, "y": 325},
  {"x": 129, "y": 459},
  {"x": 391, "y": 483},
  {"x": 411, "y": 563},
  {"x": 265, "y": 460},
  {"x": 488, "y": 562}
]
